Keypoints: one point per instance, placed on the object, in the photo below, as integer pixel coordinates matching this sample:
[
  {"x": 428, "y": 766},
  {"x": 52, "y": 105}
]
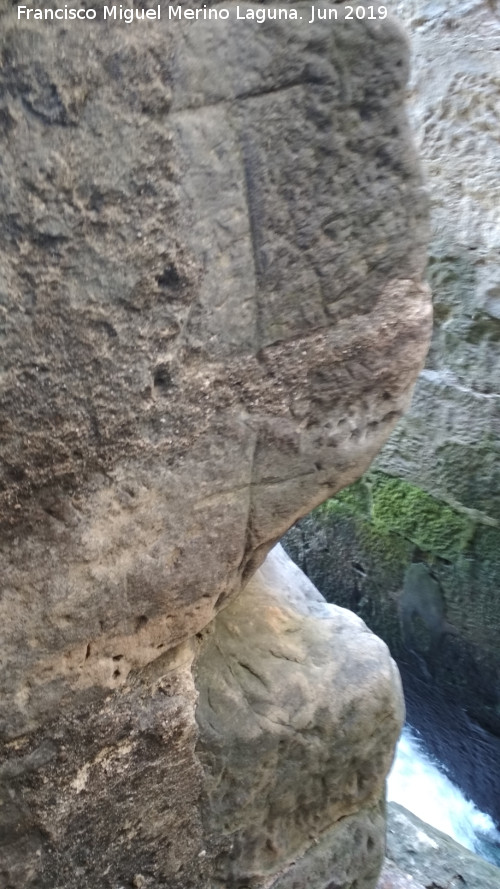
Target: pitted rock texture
[
  {"x": 152, "y": 450},
  {"x": 110, "y": 791},
  {"x": 442, "y": 464},
  {"x": 254, "y": 755},
  {"x": 450, "y": 440},
  {"x": 299, "y": 709},
  {"x": 212, "y": 316}
]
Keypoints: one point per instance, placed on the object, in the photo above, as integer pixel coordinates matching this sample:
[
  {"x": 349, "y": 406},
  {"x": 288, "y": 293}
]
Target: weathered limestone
[
  {"x": 298, "y": 713},
  {"x": 136, "y": 416},
  {"x": 436, "y": 498},
  {"x": 212, "y": 317},
  {"x": 449, "y": 444},
  {"x": 450, "y": 441}
]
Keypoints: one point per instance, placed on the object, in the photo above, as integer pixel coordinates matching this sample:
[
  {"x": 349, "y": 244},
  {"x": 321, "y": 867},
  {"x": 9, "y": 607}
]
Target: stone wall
[
  {"x": 415, "y": 548},
  {"x": 449, "y": 443}
]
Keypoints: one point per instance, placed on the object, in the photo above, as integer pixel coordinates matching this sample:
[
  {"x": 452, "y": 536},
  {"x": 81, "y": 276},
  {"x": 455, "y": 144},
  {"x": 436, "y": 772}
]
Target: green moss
[
  {"x": 354, "y": 500},
  {"x": 395, "y": 507},
  {"x": 389, "y": 552},
  {"x": 405, "y": 509}
]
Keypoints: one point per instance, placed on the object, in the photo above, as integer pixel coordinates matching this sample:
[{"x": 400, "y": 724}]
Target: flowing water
[{"x": 420, "y": 784}]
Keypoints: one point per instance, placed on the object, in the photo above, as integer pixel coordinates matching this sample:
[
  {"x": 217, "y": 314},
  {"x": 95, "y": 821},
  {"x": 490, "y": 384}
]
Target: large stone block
[
  {"x": 212, "y": 316},
  {"x": 299, "y": 708}
]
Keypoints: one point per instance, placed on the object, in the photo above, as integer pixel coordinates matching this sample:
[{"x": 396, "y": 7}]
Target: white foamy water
[{"x": 420, "y": 784}]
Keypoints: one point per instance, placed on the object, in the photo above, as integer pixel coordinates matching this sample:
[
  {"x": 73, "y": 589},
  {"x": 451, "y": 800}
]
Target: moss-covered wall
[
  {"x": 394, "y": 506},
  {"x": 423, "y": 575}
]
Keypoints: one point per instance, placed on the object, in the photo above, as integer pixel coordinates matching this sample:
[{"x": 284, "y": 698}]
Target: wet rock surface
[
  {"x": 425, "y": 857},
  {"x": 392, "y": 877}
]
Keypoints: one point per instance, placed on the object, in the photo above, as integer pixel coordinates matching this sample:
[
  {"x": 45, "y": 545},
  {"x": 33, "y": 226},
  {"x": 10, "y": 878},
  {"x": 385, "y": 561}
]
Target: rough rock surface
[
  {"x": 441, "y": 616},
  {"x": 392, "y": 877},
  {"x": 211, "y": 318},
  {"x": 430, "y": 858},
  {"x": 421, "y": 577},
  {"x": 449, "y": 442},
  {"x": 290, "y": 686}
]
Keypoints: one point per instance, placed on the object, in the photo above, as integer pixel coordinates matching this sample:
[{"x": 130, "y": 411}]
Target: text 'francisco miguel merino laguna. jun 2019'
[{"x": 243, "y": 13}]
